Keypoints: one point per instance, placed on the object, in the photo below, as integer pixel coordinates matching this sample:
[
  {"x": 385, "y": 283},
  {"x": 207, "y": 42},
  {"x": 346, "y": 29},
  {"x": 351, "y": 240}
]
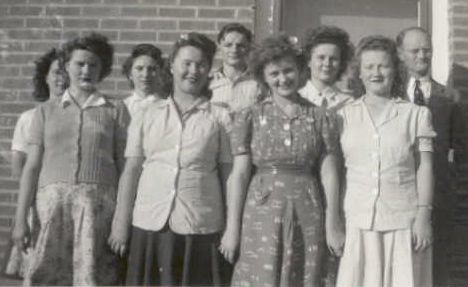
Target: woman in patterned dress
[
  {"x": 290, "y": 142},
  {"x": 75, "y": 156}
]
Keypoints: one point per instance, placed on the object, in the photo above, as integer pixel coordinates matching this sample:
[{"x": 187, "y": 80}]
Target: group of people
[{"x": 261, "y": 172}]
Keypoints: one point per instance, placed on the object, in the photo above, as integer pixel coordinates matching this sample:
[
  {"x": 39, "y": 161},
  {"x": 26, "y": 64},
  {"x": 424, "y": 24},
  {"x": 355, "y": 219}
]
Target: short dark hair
[
  {"x": 142, "y": 50},
  {"x": 272, "y": 49},
  {"x": 329, "y": 35},
  {"x": 401, "y": 36},
  {"x": 41, "y": 91},
  {"x": 95, "y": 43},
  {"x": 235, "y": 27},
  {"x": 387, "y": 45},
  {"x": 197, "y": 40}
]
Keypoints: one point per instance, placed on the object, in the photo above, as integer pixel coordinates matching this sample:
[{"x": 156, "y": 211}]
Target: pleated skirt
[
  {"x": 374, "y": 259},
  {"x": 165, "y": 258}
]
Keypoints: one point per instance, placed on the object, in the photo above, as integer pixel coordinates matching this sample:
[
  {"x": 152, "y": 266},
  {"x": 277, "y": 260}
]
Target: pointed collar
[
  {"x": 311, "y": 93},
  {"x": 94, "y": 100}
]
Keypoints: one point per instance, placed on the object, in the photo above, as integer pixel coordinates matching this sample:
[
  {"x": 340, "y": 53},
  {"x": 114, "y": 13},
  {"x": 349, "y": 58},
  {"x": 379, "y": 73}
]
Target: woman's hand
[
  {"x": 422, "y": 230},
  {"x": 21, "y": 236},
  {"x": 118, "y": 238},
  {"x": 230, "y": 244},
  {"x": 334, "y": 234}
]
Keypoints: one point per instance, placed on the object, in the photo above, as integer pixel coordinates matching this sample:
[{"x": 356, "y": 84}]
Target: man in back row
[{"x": 415, "y": 52}]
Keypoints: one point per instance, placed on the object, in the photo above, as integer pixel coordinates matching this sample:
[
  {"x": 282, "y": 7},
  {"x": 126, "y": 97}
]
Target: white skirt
[{"x": 383, "y": 258}]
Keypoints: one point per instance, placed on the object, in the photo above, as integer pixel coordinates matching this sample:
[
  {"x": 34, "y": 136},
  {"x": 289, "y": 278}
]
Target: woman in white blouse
[{"x": 387, "y": 148}]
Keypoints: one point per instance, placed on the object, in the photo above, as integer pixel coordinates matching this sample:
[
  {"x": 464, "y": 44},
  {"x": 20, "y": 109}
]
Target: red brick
[
  {"x": 176, "y": 12},
  {"x": 11, "y": 23},
  {"x": 197, "y": 25},
  {"x": 14, "y": 2},
  {"x": 16, "y": 83},
  {"x": 216, "y": 13},
  {"x": 159, "y": 2},
  {"x": 6, "y": 133},
  {"x": 137, "y": 36},
  {"x": 63, "y": 10},
  {"x": 4, "y": 172},
  {"x": 50, "y": 34},
  {"x": 169, "y": 36},
  {"x": 44, "y": 23},
  {"x": 49, "y": 2},
  {"x": 39, "y": 46},
  {"x": 8, "y": 121},
  {"x": 70, "y": 34},
  {"x": 9, "y": 71},
  {"x": 14, "y": 108},
  {"x": 25, "y": 34},
  {"x": 111, "y": 35},
  {"x": 198, "y": 2},
  {"x": 82, "y": 23},
  {"x": 118, "y": 24},
  {"x": 11, "y": 58},
  {"x": 89, "y": 2},
  {"x": 247, "y": 14},
  {"x": 236, "y": 3},
  {"x": 27, "y": 71},
  {"x": 25, "y": 10},
  {"x": 101, "y": 11},
  {"x": 158, "y": 24},
  {"x": 8, "y": 210},
  {"x": 139, "y": 12}
]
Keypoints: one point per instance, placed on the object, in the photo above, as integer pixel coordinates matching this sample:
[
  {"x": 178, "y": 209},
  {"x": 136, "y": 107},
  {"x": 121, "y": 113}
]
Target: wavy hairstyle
[
  {"x": 142, "y": 50},
  {"x": 95, "y": 43},
  {"x": 329, "y": 35},
  {"x": 387, "y": 45},
  {"x": 41, "y": 91},
  {"x": 272, "y": 49}
]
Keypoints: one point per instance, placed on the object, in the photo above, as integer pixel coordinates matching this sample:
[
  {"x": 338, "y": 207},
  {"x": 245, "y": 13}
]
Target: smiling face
[
  {"x": 282, "y": 77},
  {"x": 84, "y": 69},
  {"x": 377, "y": 72},
  {"x": 190, "y": 70},
  {"x": 324, "y": 63},
  {"x": 143, "y": 74},
  {"x": 416, "y": 53},
  {"x": 55, "y": 80},
  {"x": 234, "y": 48}
]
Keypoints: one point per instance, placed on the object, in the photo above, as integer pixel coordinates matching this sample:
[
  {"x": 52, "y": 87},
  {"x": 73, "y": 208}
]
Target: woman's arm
[
  {"x": 121, "y": 222},
  {"x": 236, "y": 191},
  {"x": 334, "y": 226},
  {"x": 28, "y": 187},
  {"x": 17, "y": 163},
  {"x": 224, "y": 173},
  {"x": 422, "y": 231}
]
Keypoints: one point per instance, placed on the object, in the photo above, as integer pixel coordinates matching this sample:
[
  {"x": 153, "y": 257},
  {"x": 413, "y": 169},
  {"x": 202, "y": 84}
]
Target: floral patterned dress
[{"x": 283, "y": 235}]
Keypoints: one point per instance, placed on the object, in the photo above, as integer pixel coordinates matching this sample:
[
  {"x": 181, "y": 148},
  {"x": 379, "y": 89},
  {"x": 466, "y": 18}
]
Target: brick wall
[
  {"x": 30, "y": 27},
  {"x": 458, "y": 40}
]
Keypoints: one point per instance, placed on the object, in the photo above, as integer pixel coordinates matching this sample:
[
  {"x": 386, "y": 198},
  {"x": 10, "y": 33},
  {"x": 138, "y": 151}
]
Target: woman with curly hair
[
  {"x": 171, "y": 191},
  {"x": 328, "y": 50},
  {"x": 75, "y": 157},
  {"x": 48, "y": 82},
  {"x": 387, "y": 147},
  {"x": 144, "y": 69},
  {"x": 291, "y": 144}
]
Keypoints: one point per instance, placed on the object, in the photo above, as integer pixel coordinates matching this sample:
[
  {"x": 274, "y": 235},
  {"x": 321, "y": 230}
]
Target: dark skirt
[{"x": 164, "y": 258}]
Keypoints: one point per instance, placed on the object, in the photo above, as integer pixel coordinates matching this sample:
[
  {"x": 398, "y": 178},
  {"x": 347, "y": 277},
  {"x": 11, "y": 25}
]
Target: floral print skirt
[
  {"x": 71, "y": 247},
  {"x": 283, "y": 238}
]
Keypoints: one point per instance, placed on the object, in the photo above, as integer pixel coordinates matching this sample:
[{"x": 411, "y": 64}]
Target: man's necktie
[{"x": 418, "y": 94}]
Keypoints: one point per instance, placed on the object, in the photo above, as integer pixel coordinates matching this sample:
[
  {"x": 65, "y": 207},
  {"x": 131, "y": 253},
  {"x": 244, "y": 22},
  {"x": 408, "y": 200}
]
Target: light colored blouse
[
  {"x": 236, "y": 95},
  {"x": 21, "y": 134},
  {"x": 380, "y": 161},
  {"x": 331, "y": 98},
  {"x": 81, "y": 145},
  {"x": 135, "y": 103},
  {"x": 179, "y": 184}
]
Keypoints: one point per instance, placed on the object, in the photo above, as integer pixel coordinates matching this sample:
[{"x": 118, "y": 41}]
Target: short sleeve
[
  {"x": 36, "y": 132},
  {"x": 20, "y": 139},
  {"x": 241, "y": 135},
  {"x": 134, "y": 146},
  {"x": 225, "y": 122},
  {"x": 328, "y": 122},
  {"x": 424, "y": 130}
]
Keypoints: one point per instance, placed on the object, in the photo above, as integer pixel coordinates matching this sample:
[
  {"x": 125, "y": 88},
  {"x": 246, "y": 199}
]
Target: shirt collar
[
  {"x": 135, "y": 98},
  {"x": 218, "y": 78},
  {"x": 201, "y": 103},
  {"x": 94, "y": 100},
  {"x": 310, "y": 92},
  {"x": 423, "y": 80}
]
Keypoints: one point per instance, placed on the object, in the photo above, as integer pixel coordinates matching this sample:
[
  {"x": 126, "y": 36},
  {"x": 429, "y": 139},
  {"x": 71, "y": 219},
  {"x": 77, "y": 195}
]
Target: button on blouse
[
  {"x": 179, "y": 183},
  {"x": 380, "y": 161}
]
